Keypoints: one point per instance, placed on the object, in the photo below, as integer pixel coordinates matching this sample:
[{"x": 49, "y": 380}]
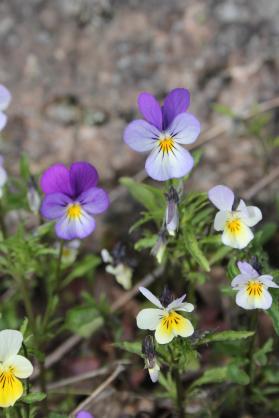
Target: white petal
[
  {"x": 222, "y": 197},
  {"x": 246, "y": 269},
  {"x": 22, "y": 367},
  {"x": 123, "y": 276},
  {"x": 240, "y": 280},
  {"x": 238, "y": 240},
  {"x": 154, "y": 373},
  {"x": 164, "y": 166},
  {"x": 267, "y": 280},
  {"x": 176, "y": 303},
  {"x": 149, "y": 295},
  {"x": 3, "y": 120},
  {"x": 10, "y": 343},
  {"x": 186, "y": 307},
  {"x": 186, "y": 329},
  {"x": 243, "y": 300},
  {"x": 220, "y": 220},
  {"x": 252, "y": 216},
  {"x": 185, "y": 128},
  {"x": 265, "y": 301},
  {"x": 106, "y": 257},
  {"x": 149, "y": 318}
]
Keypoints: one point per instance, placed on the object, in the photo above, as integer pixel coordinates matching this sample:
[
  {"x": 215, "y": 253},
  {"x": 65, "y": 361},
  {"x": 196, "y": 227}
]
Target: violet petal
[
  {"x": 176, "y": 102},
  {"x": 150, "y": 109},
  {"x": 83, "y": 176}
]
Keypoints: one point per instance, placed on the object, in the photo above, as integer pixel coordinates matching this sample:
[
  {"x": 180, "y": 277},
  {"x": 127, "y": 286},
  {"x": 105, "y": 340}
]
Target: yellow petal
[{"x": 11, "y": 389}]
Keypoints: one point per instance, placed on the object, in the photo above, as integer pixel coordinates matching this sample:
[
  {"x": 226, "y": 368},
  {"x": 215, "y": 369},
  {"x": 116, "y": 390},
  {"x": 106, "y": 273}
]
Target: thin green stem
[
  {"x": 250, "y": 370},
  {"x": 57, "y": 283},
  {"x": 23, "y": 286},
  {"x": 180, "y": 393}
]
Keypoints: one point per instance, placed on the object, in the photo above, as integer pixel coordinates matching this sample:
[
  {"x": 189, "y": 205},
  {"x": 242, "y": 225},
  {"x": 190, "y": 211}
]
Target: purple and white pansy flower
[
  {"x": 252, "y": 287},
  {"x": 162, "y": 132},
  {"x": 235, "y": 223},
  {"x": 5, "y": 99},
  {"x": 72, "y": 199}
]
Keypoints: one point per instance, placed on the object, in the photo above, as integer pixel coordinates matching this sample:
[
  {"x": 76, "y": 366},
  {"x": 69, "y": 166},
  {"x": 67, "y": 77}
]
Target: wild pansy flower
[
  {"x": 164, "y": 319},
  {"x": 235, "y": 223},
  {"x": 162, "y": 132},
  {"x": 148, "y": 350},
  {"x": 84, "y": 414},
  {"x": 72, "y": 199},
  {"x": 5, "y": 99},
  {"x": 172, "y": 214},
  {"x": 252, "y": 287},
  {"x": 3, "y": 176},
  {"x": 12, "y": 367},
  {"x": 118, "y": 265}
]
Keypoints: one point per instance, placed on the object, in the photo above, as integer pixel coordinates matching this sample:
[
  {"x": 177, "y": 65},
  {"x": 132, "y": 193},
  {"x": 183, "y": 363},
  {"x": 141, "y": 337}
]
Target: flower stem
[
  {"x": 250, "y": 366},
  {"x": 180, "y": 394},
  {"x": 57, "y": 284},
  {"x": 23, "y": 286}
]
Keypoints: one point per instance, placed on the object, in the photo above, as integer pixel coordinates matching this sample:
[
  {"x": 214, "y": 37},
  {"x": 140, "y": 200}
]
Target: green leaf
[
  {"x": 226, "y": 336},
  {"x": 131, "y": 347},
  {"x": 237, "y": 375},
  {"x": 260, "y": 356},
  {"x": 192, "y": 246},
  {"x": 215, "y": 375},
  {"x": 33, "y": 397},
  {"x": 147, "y": 242},
  {"x": 149, "y": 197},
  {"x": 84, "y": 320}
]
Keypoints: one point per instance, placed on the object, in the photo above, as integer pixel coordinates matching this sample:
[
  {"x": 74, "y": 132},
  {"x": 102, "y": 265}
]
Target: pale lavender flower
[
  {"x": 162, "y": 132},
  {"x": 252, "y": 287},
  {"x": 5, "y": 99},
  {"x": 84, "y": 414}
]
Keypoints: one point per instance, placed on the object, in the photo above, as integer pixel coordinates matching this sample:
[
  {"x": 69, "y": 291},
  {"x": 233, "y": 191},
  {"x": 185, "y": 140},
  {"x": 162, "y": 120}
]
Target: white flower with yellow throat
[
  {"x": 12, "y": 367},
  {"x": 165, "y": 320},
  {"x": 235, "y": 224},
  {"x": 252, "y": 288}
]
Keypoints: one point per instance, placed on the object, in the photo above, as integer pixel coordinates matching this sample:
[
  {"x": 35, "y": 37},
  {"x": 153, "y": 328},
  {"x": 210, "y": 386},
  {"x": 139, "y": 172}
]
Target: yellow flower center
[
  {"x": 234, "y": 225},
  {"x": 74, "y": 211},
  {"x": 166, "y": 144},
  {"x": 11, "y": 388},
  {"x": 254, "y": 288},
  {"x": 171, "y": 320}
]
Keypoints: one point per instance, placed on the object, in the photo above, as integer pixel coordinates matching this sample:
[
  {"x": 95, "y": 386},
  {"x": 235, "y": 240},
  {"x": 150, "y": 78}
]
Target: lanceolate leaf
[
  {"x": 192, "y": 246},
  {"x": 226, "y": 336}
]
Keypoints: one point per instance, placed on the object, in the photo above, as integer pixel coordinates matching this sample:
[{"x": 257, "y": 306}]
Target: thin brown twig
[
  {"x": 85, "y": 376},
  {"x": 85, "y": 404}
]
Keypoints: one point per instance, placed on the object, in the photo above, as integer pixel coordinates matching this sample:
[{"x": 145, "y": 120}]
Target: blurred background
[{"x": 75, "y": 68}]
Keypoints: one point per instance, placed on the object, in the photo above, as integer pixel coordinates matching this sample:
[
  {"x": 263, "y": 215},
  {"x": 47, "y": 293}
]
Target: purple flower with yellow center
[
  {"x": 72, "y": 199},
  {"x": 5, "y": 99},
  {"x": 162, "y": 132}
]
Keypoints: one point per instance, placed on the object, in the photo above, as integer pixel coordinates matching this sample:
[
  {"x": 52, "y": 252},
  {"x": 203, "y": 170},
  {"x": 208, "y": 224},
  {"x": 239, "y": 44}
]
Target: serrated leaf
[
  {"x": 83, "y": 320},
  {"x": 226, "y": 336},
  {"x": 260, "y": 356},
  {"x": 215, "y": 375}
]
